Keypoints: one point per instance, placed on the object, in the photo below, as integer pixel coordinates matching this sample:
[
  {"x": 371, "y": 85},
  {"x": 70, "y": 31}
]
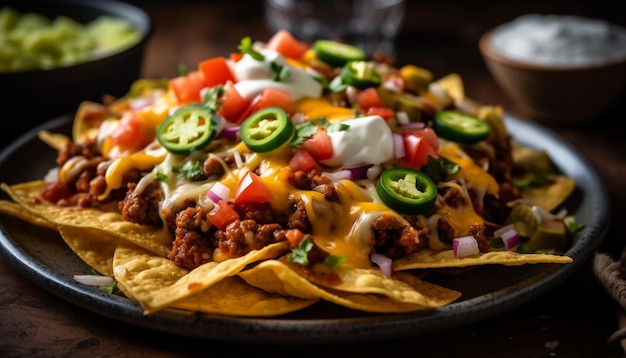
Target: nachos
[{"x": 288, "y": 173}]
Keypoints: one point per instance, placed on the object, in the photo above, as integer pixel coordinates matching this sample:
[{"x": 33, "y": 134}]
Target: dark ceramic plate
[{"x": 42, "y": 256}]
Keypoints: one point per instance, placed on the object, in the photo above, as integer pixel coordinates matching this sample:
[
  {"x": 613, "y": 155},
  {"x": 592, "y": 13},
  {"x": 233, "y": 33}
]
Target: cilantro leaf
[
  {"x": 191, "y": 170},
  {"x": 299, "y": 255},
  {"x": 280, "y": 73},
  {"x": 245, "y": 47}
]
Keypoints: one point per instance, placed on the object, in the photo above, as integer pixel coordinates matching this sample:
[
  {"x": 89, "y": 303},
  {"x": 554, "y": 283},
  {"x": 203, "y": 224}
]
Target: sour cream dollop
[
  {"x": 565, "y": 40},
  {"x": 368, "y": 140},
  {"x": 253, "y": 76}
]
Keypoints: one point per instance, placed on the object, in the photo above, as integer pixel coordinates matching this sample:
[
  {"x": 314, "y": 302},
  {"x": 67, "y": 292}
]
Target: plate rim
[{"x": 276, "y": 330}]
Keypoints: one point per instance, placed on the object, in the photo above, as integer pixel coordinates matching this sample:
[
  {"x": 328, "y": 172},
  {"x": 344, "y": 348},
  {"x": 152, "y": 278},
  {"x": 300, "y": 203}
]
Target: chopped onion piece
[
  {"x": 398, "y": 145},
  {"x": 230, "y": 133},
  {"x": 95, "y": 280},
  {"x": 359, "y": 171},
  {"x": 510, "y": 238},
  {"x": 498, "y": 232},
  {"x": 464, "y": 246},
  {"x": 402, "y": 118},
  {"x": 414, "y": 125},
  {"x": 238, "y": 160},
  {"x": 373, "y": 172},
  {"x": 338, "y": 175},
  {"x": 384, "y": 262},
  {"x": 218, "y": 192}
]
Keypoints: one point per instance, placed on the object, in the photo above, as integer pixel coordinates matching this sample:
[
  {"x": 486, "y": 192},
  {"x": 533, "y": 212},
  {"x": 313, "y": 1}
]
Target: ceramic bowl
[
  {"x": 555, "y": 92},
  {"x": 30, "y": 97}
]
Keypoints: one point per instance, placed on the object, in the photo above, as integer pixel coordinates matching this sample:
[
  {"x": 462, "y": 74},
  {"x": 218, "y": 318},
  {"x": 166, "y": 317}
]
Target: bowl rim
[
  {"x": 488, "y": 51},
  {"x": 146, "y": 30}
]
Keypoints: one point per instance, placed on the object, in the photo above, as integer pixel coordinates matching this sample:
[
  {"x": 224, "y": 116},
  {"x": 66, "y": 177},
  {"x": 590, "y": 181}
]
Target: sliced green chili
[
  {"x": 406, "y": 190},
  {"x": 360, "y": 74},
  {"x": 460, "y": 127},
  {"x": 337, "y": 53},
  {"x": 189, "y": 128},
  {"x": 267, "y": 129}
]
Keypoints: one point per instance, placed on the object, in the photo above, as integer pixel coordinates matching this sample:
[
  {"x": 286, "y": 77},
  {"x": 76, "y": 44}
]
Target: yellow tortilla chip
[
  {"x": 18, "y": 211},
  {"x": 444, "y": 259},
  {"x": 276, "y": 276},
  {"x": 54, "y": 140},
  {"x": 549, "y": 197},
  {"x": 106, "y": 219},
  {"x": 94, "y": 247},
  {"x": 234, "y": 297},
  {"x": 156, "y": 282},
  {"x": 370, "y": 281}
]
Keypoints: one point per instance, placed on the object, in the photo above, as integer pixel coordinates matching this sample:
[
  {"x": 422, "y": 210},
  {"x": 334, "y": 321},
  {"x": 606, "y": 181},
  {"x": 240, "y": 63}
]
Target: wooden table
[{"x": 573, "y": 320}]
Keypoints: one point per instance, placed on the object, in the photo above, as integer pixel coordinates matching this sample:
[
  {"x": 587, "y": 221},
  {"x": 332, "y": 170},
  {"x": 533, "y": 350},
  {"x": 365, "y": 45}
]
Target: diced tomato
[
  {"x": 274, "y": 97},
  {"x": 236, "y": 56},
  {"x": 368, "y": 98},
  {"x": 132, "y": 133},
  {"x": 428, "y": 134},
  {"x": 252, "y": 189},
  {"x": 287, "y": 45},
  {"x": 222, "y": 214},
  {"x": 384, "y": 112},
  {"x": 216, "y": 71},
  {"x": 187, "y": 88},
  {"x": 294, "y": 236},
  {"x": 302, "y": 160},
  {"x": 319, "y": 145},
  {"x": 417, "y": 149},
  {"x": 232, "y": 104}
]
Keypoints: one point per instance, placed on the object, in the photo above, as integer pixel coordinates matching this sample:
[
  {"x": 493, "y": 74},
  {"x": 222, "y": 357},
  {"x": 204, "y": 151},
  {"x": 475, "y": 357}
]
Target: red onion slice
[
  {"x": 384, "y": 262},
  {"x": 94, "y": 280},
  {"x": 218, "y": 192},
  {"x": 510, "y": 238},
  {"x": 464, "y": 246}
]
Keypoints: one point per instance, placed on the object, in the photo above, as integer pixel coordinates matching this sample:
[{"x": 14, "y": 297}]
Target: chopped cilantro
[
  {"x": 280, "y": 72},
  {"x": 109, "y": 289},
  {"x": 439, "y": 169},
  {"x": 245, "y": 47},
  {"x": 299, "y": 255},
  {"x": 191, "y": 170},
  {"x": 307, "y": 129},
  {"x": 333, "y": 261},
  {"x": 161, "y": 177},
  {"x": 571, "y": 224},
  {"x": 212, "y": 96}
]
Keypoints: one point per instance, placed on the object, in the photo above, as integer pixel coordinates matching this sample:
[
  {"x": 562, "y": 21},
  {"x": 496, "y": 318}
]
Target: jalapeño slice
[
  {"x": 360, "y": 74},
  {"x": 189, "y": 128},
  {"x": 267, "y": 129},
  {"x": 460, "y": 127},
  {"x": 406, "y": 190},
  {"x": 337, "y": 53}
]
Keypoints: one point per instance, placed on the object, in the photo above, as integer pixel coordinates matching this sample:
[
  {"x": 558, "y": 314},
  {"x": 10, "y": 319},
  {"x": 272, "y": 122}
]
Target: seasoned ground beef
[
  {"x": 241, "y": 236},
  {"x": 142, "y": 208},
  {"x": 190, "y": 248},
  {"x": 394, "y": 239}
]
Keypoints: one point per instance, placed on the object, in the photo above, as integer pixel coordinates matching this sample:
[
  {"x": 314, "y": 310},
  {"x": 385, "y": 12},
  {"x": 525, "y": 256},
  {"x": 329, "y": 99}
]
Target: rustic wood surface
[{"x": 575, "y": 319}]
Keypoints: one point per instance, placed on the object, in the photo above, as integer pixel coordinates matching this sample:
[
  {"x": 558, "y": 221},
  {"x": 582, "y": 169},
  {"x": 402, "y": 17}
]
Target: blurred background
[{"x": 439, "y": 35}]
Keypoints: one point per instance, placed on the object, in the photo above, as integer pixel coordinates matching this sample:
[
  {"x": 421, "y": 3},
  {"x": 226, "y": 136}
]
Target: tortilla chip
[
  {"x": 276, "y": 276},
  {"x": 94, "y": 247},
  {"x": 549, "y": 197},
  {"x": 54, "y": 140},
  {"x": 444, "y": 259},
  {"x": 156, "y": 282},
  {"x": 370, "y": 281},
  {"x": 106, "y": 219},
  {"x": 234, "y": 297},
  {"x": 18, "y": 211}
]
